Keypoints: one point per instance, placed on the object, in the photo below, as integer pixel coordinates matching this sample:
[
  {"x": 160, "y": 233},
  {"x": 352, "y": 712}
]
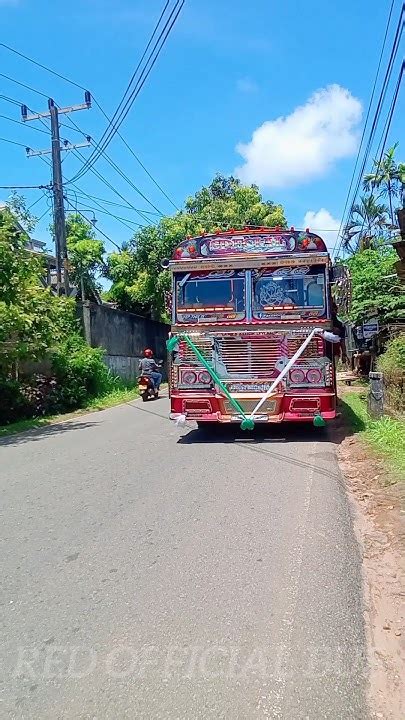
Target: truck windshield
[
  {"x": 279, "y": 289},
  {"x": 211, "y": 293}
]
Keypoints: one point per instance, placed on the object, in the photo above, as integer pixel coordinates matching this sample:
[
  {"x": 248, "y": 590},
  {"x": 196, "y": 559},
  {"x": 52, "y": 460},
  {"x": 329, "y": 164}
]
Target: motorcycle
[{"x": 146, "y": 387}]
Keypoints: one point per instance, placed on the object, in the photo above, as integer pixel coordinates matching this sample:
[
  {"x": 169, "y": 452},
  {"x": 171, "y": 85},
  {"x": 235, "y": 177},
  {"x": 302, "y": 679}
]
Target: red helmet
[{"x": 148, "y": 352}]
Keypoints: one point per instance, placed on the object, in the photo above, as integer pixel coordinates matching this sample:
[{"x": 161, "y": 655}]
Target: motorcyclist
[{"x": 149, "y": 368}]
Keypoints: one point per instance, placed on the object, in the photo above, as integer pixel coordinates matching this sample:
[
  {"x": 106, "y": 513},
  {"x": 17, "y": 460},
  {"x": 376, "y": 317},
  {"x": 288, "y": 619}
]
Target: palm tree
[
  {"x": 401, "y": 182},
  {"x": 367, "y": 219},
  {"x": 384, "y": 177}
]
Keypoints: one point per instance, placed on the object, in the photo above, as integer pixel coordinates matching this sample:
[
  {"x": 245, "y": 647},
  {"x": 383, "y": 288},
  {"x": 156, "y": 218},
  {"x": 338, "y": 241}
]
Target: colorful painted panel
[{"x": 237, "y": 243}]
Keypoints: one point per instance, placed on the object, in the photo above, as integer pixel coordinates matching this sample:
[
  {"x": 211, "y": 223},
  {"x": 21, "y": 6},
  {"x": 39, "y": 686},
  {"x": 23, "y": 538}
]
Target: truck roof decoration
[{"x": 249, "y": 242}]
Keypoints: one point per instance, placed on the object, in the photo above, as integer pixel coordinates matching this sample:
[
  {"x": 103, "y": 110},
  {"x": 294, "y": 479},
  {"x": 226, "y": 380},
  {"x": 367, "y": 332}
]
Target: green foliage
[
  {"x": 385, "y": 436},
  {"x": 16, "y": 205},
  {"x": 86, "y": 255},
  {"x": 138, "y": 281},
  {"x": 367, "y": 222},
  {"x": 393, "y": 359},
  {"x": 80, "y": 373},
  {"x": 374, "y": 292},
  {"x": 387, "y": 177},
  {"x": 31, "y": 319},
  {"x": 13, "y": 404},
  {"x": 392, "y": 364}
]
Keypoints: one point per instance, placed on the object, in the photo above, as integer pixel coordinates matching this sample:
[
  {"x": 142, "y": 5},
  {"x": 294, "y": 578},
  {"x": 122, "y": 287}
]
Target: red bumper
[{"x": 287, "y": 407}]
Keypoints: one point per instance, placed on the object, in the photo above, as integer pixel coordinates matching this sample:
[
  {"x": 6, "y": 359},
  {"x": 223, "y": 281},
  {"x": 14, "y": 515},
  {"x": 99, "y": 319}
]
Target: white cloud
[
  {"x": 246, "y": 85},
  {"x": 304, "y": 145},
  {"x": 324, "y": 223}
]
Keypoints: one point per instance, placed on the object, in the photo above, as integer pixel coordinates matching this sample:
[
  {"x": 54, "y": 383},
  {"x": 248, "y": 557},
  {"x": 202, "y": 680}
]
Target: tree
[
  {"x": 138, "y": 281},
  {"x": 374, "y": 289},
  {"x": 85, "y": 253},
  {"x": 17, "y": 207},
  {"x": 31, "y": 318},
  {"x": 385, "y": 177},
  {"x": 367, "y": 220},
  {"x": 401, "y": 181}
]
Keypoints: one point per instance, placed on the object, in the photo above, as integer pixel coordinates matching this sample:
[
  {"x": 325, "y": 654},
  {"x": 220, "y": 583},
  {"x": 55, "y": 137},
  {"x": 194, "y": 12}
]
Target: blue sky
[{"x": 228, "y": 72}]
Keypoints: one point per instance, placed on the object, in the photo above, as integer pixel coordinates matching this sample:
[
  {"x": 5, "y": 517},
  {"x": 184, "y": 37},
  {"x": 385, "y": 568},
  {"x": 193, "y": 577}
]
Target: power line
[
  {"x": 110, "y": 202},
  {"x": 390, "y": 113},
  {"x": 114, "y": 190},
  {"x": 75, "y": 84},
  {"x": 139, "y": 161},
  {"x": 110, "y": 122},
  {"x": 21, "y": 124},
  {"x": 105, "y": 212},
  {"x": 37, "y": 201},
  {"x": 27, "y": 87},
  {"x": 366, "y": 121},
  {"x": 44, "y": 67},
  {"x": 377, "y": 113},
  {"x": 24, "y": 187},
  {"x": 9, "y": 99},
  {"x": 98, "y": 229},
  {"x": 153, "y": 56},
  {"x": 121, "y": 220},
  {"x": 76, "y": 127},
  {"x": 13, "y": 142}
]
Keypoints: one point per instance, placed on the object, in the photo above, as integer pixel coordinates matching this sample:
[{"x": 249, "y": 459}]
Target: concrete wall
[{"x": 123, "y": 336}]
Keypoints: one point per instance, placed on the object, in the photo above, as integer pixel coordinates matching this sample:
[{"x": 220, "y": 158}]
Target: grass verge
[
  {"x": 386, "y": 436},
  {"x": 102, "y": 402}
]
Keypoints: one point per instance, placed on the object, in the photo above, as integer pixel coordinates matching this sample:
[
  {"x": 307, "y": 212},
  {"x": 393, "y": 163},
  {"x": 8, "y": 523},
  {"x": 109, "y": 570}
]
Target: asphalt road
[{"x": 155, "y": 573}]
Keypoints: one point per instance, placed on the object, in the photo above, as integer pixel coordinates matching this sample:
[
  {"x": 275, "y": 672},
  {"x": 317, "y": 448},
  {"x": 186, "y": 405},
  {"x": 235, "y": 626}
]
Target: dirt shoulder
[{"x": 378, "y": 501}]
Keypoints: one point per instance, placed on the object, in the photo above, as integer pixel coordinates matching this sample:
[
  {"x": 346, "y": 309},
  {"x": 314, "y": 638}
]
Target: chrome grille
[{"x": 253, "y": 356}]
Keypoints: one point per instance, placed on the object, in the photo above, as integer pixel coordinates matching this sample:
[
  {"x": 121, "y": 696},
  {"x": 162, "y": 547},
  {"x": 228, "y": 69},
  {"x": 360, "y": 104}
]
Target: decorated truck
[{"x": 251, "y": 338}]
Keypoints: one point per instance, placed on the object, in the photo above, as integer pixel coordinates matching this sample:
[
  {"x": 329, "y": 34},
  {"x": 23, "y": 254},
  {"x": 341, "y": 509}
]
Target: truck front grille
[{"x": 251, "y": 356}]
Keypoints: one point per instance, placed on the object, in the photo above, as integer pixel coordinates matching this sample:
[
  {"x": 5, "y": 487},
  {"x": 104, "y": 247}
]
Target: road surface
[{"x": 155, "y": 573}]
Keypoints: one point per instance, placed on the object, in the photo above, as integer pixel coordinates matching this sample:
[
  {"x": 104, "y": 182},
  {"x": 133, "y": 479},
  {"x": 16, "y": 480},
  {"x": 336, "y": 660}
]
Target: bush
[
  {"x": 393, "y": 359},
  {"x": 26, "y": 399},
  {"x": 13, "y": 403},
  {"x": 80, "y": 373},
  {"x": 79, "y": 376},
  {"x": 392, "y": 364}
]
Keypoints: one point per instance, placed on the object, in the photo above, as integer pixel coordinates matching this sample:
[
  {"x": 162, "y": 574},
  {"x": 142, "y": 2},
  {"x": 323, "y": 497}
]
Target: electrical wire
[
  {"x": 13, "y": 142},
  {"x": 98, "y": 229},
  {"x": 153, "y": 56},
  {"x": 21, "y": 124},
  {"x": 11, "y": 100},
  {"x": 44, "y": 67},
  {"x": 110, "y": 124},
  {"x": 123, "y": 221},
  {"x": 139, "y": 161},
  {"x": 366, "y": 121},
  {"x": 377, "y": 114},
  {"x": 24, "y": 187},
  {"x": 105, "y": 212},
  {"x": 75, "y": 84},
  {"x": 37, "y": 201},
  {"x": 27, "y": 87},
  {"x": 390, "y": 114},
  {"x": 110, "y": 202},
  {"x": 111, "y": 187}
]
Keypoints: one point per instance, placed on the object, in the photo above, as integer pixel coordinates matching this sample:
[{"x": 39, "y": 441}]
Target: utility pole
[{"x": 57, "y": 180}]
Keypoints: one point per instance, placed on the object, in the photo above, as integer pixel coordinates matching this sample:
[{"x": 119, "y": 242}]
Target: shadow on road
[{"x": 44, "y": 432}]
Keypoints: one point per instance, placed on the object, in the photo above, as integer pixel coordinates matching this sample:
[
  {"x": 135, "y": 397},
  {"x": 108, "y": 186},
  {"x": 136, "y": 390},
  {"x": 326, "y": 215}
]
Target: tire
[{"x": 144, "y": 396}]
